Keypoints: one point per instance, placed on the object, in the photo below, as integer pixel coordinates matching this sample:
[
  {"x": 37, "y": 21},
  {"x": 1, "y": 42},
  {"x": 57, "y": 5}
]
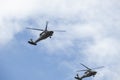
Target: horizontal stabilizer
[{"x": 31, "y": 42}]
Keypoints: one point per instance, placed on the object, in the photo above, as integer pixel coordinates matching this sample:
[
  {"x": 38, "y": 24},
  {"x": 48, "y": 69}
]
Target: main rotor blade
[
  {"x": 85, "y": 66},
  {"x": 46, "y": 25},
  {"x": 35, "y": 29},
  {"x": 81, "y": 70},
  {"x": 98, "y": 67},
  {"x": 59, "y": 30}
]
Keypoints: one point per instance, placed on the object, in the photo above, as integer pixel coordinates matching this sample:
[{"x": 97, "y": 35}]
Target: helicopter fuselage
[
  {"x": 46, "y": 34},
  {"x": 89, "y": 73},
  {"x": 93, "y": 73},
  {"x": 43, "y": 35}
]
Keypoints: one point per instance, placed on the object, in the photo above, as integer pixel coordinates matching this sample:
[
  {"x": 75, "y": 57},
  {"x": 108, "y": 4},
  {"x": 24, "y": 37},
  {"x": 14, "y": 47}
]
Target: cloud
[
  {"x": 87, "y": 12},
  {"x": 92, "y": 27}
]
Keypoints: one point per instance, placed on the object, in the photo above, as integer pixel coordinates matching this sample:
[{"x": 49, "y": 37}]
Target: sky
[{"x": 91, "y": 37}]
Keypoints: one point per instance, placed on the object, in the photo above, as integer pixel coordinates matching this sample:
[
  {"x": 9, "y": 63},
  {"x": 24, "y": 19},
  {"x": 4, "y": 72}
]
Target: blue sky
[{"x": 91, "y": 37}]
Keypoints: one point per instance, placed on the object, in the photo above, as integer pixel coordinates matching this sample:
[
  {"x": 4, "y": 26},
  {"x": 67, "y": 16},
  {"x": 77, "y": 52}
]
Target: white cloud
[
  {"x": 95, "y": 11},
  {"x": 98, "y": 20}
]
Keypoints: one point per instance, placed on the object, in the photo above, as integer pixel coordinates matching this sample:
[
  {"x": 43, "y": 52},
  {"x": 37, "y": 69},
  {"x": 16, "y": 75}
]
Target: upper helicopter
[
  {"x": 44, "y": 34},
  {"x": 88, "y": 72}
]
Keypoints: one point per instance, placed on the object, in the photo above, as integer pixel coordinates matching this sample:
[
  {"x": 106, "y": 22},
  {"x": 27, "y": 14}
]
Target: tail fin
[
  {"x": 31, "y": 40},
  {"x": 77, "y": 77}
]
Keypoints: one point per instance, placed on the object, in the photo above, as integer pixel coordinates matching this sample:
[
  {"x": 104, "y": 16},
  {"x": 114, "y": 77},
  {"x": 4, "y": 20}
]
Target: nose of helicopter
[
  {"x": 95, "y": 73},
  {"x": 51, "y": 32}
]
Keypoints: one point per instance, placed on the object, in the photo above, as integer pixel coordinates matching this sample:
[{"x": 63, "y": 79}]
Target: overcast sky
[{"x": 92, "y": 37}]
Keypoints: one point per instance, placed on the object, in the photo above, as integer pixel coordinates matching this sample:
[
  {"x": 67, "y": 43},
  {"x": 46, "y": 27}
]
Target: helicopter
[
  {"x": 88, "y": 72},
  {"x": 43, "y": 35}
]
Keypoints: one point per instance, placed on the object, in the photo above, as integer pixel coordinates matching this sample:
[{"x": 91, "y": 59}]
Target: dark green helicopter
[
  {"x": 88, "y": 72},
  {"x": 43, "y": 35}
]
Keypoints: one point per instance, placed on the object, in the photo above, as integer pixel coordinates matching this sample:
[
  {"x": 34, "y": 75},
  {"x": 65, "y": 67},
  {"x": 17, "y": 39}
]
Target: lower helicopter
[{"x": 88, "y": 72}]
